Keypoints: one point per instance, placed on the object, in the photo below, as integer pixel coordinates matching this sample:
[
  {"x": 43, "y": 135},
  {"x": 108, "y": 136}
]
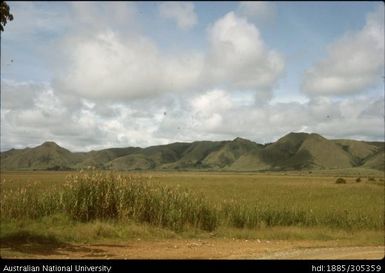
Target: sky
[{"x": 95, "y": 75}]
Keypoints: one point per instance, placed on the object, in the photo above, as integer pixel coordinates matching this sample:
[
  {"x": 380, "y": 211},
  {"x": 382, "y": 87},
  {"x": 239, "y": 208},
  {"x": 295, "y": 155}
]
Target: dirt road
[{"x": 199, "y": 249}]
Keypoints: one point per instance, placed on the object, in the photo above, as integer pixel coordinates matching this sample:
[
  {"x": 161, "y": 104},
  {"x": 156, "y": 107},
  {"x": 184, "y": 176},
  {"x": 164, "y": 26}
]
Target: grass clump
[
  {"x": 88, "y": 196},
  {"x": 92, "y": 196},
  {"x": 340, "y": 180},
  {"x": 26, "y": 203}
]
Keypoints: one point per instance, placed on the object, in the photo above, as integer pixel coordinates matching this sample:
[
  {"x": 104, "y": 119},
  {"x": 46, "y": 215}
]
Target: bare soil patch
[{"x": 200, "y": 249}]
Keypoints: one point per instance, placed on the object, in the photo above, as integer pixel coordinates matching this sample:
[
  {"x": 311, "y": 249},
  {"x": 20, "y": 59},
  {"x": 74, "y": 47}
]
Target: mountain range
[{"x": 294, "y": 151}]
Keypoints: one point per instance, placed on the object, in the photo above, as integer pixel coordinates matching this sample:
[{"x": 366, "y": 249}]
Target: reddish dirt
[{"x": 199, "y": 249}]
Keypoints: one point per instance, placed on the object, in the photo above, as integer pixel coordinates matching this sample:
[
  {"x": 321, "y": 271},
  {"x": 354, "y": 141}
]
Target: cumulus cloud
[
  {"x": 211, "y": 102},
  {"x": 84, "y": 127},
  {"x": 113, "y": 67},
  {"x": 132, "y": 66},
  {"x": 238, "y": 57},
  {"x": 215, "y": 114},
  {"x": 88, "y": 17},
  {"x": 374, "y": 109},
  {"x": 102, "y": 59},
  {"x": 354, "y": 63},
  {"x": 43, "y": 117},
  {"x": 210, "y": 108},
  {"x": 181, "y": 12},
  {"x": 19, "y": 95},
  {"x": 114, "y": 87}
]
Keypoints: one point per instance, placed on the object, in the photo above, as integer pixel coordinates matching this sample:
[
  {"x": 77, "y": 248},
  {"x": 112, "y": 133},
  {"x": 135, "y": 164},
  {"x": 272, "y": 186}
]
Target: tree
[{"x": 5, "y": 15}]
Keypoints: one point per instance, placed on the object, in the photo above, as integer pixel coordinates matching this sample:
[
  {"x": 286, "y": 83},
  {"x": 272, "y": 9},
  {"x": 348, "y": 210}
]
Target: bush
[
  {"x": 340, "y": 180},
  {"x": 358, "y": 179},
  {"x": 371, "y": 178}
]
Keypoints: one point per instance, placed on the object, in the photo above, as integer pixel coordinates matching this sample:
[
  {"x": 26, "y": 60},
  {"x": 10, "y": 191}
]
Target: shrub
[
  {"x": 358, "y": 179},
  {"x": 371, "y": 178},
  {"x": 340, "y": 180}
]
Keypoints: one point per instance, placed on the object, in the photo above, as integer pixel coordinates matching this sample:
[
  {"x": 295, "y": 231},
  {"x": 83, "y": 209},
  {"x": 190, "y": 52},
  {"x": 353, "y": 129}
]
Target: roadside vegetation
[
  {"x": 92, "y": 205},
  {"x": 89, "y": 196}
]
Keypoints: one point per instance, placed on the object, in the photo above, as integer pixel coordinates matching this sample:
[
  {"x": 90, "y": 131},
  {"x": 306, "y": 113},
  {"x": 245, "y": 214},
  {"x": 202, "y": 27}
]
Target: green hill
[
  {"x": 325, "y": 154},
  {"x": 284, "y": 154},
  {"x": 194, "y": 155},
  {"x": 294, "y": 151},
  {"x": 376, "y": 161},
  {"x": 230, "y": 152},
  {"x": 132, "y": 162},
  {"x": 48, "y": 156},
  {"x": 359, "y": 150},
  {"x": 100, "y": 159}
]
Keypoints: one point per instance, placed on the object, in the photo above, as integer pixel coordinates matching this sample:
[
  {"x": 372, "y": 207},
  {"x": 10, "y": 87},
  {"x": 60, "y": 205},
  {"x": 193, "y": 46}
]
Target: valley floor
[{"x": 298, "y": 216}]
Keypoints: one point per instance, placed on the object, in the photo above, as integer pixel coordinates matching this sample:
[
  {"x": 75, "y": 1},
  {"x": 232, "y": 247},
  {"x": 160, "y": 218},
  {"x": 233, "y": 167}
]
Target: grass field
[{"x": 46, "y": 208}]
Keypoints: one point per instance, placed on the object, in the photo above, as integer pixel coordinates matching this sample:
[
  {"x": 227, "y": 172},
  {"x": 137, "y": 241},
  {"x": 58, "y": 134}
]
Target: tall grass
[
  {"x": 89, "y": 196},
  {"x": 25, "y": 202},
  {"x": 97, "y": 195},
  {"x": 247, "y": 216},
  {"x": 109, "y": 196}
]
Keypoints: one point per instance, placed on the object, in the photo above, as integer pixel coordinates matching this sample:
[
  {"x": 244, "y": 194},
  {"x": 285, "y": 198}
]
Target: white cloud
[
  {"x": 114, "y": 87},
  {"x": 91, "y": 17},
  {"x": 181, "y": 12},
  {"x": 213, "y": 115},
  {"x": 19, "y": 94},
  {"x": 102, "y": 59},
  {"x": 216, "y": 115},
  {"x": 107, "y": 65},
  {"x": 258, "y": 11},
  {"x": 374, "y": 109},
  {"x": 80, "y": 127},
  {"x": 354, "y": 63},
  {"x": 238, "y": 57},
  {"x": 209, "y": 107},
  {"x": 211, "y": 102},
  {"x": 126, "y": 68}
]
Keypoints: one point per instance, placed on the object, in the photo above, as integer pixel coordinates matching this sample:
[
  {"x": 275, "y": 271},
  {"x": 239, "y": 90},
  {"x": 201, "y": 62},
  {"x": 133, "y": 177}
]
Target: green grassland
[{"x": 64, "y": 207}]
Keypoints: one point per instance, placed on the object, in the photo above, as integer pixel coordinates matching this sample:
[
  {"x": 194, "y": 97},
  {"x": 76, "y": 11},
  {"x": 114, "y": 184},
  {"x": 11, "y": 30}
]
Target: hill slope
[
  {"x": 294, "y": 151},
  {"x": 48, "y": 156}
]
